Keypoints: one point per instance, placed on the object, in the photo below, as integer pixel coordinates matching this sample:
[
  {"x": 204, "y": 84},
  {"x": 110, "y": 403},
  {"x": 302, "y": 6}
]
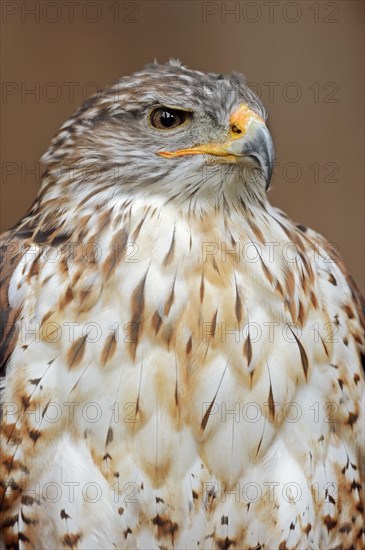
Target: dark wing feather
[
  {"x": 357, "y": 298},
  {"x": 10, "y": 254}
]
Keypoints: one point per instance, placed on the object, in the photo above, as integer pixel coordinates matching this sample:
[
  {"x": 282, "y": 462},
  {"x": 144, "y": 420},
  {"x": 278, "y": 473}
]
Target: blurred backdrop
[{"x": 305, "y": 59}]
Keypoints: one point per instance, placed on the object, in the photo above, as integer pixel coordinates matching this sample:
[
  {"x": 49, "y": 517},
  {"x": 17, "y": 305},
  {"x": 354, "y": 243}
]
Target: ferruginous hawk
[{"x": 181, "y": 362}]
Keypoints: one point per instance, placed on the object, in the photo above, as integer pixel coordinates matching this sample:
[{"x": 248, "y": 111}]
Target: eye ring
[{"x": 167, "y": 118}]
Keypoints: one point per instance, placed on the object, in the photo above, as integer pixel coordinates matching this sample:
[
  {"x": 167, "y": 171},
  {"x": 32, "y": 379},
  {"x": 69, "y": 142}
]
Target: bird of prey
[{"x": 181, "y": 362}]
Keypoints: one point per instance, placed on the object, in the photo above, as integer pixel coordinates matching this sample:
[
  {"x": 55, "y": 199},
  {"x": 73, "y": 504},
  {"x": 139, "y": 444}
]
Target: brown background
[{"x": 312, "y": 50}]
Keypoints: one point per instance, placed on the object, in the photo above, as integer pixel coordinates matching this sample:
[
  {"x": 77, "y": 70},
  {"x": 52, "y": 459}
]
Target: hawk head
[{"x": 166, "y": 131}]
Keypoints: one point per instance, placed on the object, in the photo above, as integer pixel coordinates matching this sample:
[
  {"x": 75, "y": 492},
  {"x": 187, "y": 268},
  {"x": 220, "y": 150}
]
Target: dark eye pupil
[{"x": 167, "y": 119}]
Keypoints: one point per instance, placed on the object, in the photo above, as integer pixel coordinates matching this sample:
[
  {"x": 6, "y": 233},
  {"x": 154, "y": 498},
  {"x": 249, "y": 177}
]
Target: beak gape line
[{"x": 248, "y": 137}]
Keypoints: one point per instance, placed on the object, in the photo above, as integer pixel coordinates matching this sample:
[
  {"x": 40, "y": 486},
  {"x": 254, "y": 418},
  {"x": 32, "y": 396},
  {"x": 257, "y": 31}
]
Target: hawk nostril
[{"x": 235, "y": 129}]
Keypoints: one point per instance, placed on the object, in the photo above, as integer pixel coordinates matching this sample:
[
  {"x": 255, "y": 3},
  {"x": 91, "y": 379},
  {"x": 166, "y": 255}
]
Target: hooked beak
[{"x": 248, "y": 138}]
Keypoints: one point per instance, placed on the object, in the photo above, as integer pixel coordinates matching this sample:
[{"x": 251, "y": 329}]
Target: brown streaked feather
[
  {"x": 271, "y": 404},
  {"x": 76, "y": 352},
  {"x": 358, "y": 299},
  {"x": 247, "y": 349},
  {"x": 117, "y": 252},
  {"x": 108, "y": 349},
  {"x": 10, "y": 254},
  {"x": 303, "y": 355},
  {"x": 170, "y": 254},
  {"x": 137, "y": 306}
]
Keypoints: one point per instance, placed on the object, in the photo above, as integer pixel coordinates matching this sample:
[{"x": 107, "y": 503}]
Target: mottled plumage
[{"x": 181, "y": 362}]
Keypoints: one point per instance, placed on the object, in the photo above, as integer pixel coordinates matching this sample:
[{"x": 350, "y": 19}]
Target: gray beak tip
[{"x": 258, "y": 144}]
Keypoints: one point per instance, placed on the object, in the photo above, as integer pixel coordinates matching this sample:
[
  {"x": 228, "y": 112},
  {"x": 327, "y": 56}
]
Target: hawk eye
[{"x": 165, "y": 118}]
